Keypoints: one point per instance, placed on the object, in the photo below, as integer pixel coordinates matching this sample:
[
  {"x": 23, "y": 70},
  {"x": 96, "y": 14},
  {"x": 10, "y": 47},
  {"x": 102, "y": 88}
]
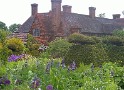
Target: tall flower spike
[
  {"x": 63, "y": 63},
  {"x": 48, "y": 67},
  {"x": 35, "y": 83},
  {"x": 73, "y": 66}
]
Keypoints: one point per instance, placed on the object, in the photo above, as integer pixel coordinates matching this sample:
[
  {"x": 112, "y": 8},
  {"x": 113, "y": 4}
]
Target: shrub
[
  {"x": 114, "y": 40},
  {"x": 33, "y": 50},
  {"x": 58, "y": 47},
  {"x": 3, "y": 35},
  {"x": 119, "y": 33},
  {"x": 4, "y": 53},
  {"x": 80, "y": 39},
  {"x": 115, "y": 53},
  {"x": 1, "y": 46},
  {"x": 86, "y": 54},
  {"x": 15, "y": 45}
]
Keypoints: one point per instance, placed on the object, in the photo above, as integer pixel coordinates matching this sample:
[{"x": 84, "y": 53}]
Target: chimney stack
[
  {"x": 56, "y": 13},
  {"x": 116, "y": 16},
  {"x": 34, "y": 9},
  {"x": 92, "y": 12},
  {"x": 67, "y": 8}
]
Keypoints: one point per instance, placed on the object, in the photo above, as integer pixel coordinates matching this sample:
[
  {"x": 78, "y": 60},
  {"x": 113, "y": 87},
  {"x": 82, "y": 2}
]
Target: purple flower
[
  {"x": 1, "y": 82},
  {"x": 15, "y": 58},
  {"x": 35, "y": 83},
  {"x": 6, "y": 82},
  {"x": 72, "y": 66},
  {"x": 49, "y": 87}
]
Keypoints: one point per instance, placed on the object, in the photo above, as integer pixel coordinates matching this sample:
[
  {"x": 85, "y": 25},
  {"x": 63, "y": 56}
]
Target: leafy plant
[
  {"x": 59, "y": 47},
  {"x": 80, "y": 39},
  {"x": 15, "y": 45}
]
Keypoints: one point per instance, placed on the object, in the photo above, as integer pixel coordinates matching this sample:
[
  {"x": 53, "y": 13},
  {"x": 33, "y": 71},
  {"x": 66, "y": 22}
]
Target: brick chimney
[
  {"x": 56, "y": 13},
  {"x": 67, "y": 8},
  {"x": 34, "y": 8},
  {"x": 92, "y": 12},
  {"x": 116, "y": 16}
]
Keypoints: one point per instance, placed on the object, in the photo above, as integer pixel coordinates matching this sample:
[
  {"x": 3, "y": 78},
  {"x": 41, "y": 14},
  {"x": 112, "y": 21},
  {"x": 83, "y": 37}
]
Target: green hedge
[
  {"x": 80, "y": 39},
  {"x": 86, "y": 54},
  {"x": 115, "y": 53}
]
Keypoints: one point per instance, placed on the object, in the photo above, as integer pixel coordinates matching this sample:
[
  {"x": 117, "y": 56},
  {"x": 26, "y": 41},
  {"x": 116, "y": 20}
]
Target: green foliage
[
  {"x": 2, "y": 70},
  {"x": 14, "y": 27},
  {"x": 109, "y": 76},
  {"x": 115, "y": 53},
  {"x": 86, "y": 54},
  {"x": 58, "y": 47},
  {"x": 4, "y": 53},
  {"x": 79, "y": 54},
  {"x": 119, "y": 33},
  {"x": 114, "y": 40},
  {"x": 30, "y": 40},
  {"x": 32, "y": 46},
  {"x": 15, "y": 45},
  {"x": 3, "y": 35},
  {"x": 3, "y": 26},
  {"x": 1, "y": 46},
  {"x": 33, "y": 50},
  {"x": 80, "y": 39}
]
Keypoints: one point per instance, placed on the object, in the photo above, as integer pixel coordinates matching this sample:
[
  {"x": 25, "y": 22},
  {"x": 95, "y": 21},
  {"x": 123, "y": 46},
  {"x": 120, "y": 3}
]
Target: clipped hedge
[
  {"x": 86, "y": 54},
  {"x": 114, "y": 40},
  {"x": 115, "y": 53},
  {"x": 80, "y": 39}
]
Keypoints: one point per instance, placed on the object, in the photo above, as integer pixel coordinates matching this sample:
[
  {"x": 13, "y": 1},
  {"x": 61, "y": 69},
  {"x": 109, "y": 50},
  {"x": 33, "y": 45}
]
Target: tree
[
  {"x": 3, "y": 26},
  {"x": 14, "y": 27},
  {"x": 102, "y": 15},
  {"x": 3, "y": 35}
]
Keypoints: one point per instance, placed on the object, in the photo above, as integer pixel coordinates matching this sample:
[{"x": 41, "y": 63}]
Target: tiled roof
[
  {"x": 84, "y": 22},
  {"x": 25, "y": 27},
  {"x": 89, "y": 25}
]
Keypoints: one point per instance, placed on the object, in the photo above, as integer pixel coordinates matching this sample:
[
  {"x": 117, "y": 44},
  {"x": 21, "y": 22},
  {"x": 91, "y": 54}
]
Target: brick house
[{"x": 46, "y": 27}]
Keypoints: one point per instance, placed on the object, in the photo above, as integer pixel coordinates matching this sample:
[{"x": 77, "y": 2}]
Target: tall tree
[
  {"x": 3, "y": 25},
  {"x": 14, "y": 27}
]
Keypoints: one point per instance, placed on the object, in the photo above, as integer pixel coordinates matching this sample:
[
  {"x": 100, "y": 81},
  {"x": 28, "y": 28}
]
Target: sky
[{"x": 18, "y": 11}]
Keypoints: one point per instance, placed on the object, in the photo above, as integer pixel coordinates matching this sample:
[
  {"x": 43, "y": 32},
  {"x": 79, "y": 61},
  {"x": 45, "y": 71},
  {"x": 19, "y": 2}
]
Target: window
[{"x": 36, "y": 32}]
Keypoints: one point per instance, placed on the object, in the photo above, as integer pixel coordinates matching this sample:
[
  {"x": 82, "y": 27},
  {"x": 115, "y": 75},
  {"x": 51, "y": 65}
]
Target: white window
[{"x": 36, "y": 32}]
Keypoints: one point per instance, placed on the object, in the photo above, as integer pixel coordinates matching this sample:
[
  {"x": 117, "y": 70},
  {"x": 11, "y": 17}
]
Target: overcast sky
[{"x": 17, "y": 11}]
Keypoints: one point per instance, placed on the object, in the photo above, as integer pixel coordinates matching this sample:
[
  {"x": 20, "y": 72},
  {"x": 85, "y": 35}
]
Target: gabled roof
[
  {"x": 25, "y": 27},
  {"x": 85, "y": 23}
]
